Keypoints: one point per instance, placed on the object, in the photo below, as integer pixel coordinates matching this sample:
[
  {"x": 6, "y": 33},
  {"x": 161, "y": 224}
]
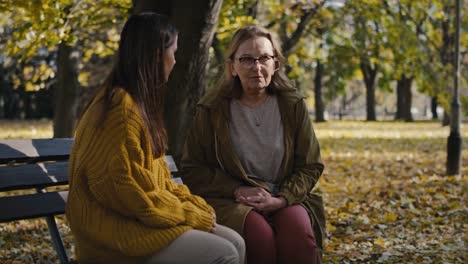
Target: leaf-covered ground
[
  {"x": 386, "y": 196},
  {"x": 387, "y": 199}
]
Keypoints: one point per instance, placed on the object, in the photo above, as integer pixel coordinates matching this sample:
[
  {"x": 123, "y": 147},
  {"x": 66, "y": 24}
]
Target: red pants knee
[
  {"x": 259, "y": 240},
  {"x": 290, "y": 240},
  {"x": 295, "y": 240}
]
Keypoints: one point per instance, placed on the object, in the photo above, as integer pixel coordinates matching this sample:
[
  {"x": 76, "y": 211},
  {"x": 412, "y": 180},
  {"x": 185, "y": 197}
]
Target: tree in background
[
  {"x": 75, "y": 31},
  {"x": 440, "y": 32},
  {"x": 408, "y": 56},
  {"x": 196, "y": 22},
  {"x": 65, "y": 45},
  {"x": 368, "y": 42}
]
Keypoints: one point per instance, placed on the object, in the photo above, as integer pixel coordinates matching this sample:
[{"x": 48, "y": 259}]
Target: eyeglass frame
[{"x": 255, "y": 59}]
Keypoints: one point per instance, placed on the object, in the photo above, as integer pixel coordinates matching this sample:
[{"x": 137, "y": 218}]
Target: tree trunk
[
  {"x": 370, "y": 102},
  {"x": 196, "y": 23},
  {"x": 162, "y": 7},
  {"x": 4, "y": 87},
  {"x": 404, "y": 98},
  {"x": 447, "y": 51},
  {"x": 446, "y": 118},
  {"x": 408, "y": 95},
  {"x": 399, "y": 101},
  {"x": 434, "y": 104},
  {"x": 319, "y": 106},
  {"x": 289, "y": 41},
  {"x": 28, "y": 110},
  {"x": 370, "y": 75},
  {"x": 284, "y": 38},
  {"x": 343, "y": 107},
  {"x": 66, "y": 92}
]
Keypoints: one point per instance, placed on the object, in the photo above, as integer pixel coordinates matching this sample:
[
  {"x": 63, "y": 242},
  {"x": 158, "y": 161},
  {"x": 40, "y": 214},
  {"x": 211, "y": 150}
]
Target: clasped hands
[{"x": 259, "y": 199}]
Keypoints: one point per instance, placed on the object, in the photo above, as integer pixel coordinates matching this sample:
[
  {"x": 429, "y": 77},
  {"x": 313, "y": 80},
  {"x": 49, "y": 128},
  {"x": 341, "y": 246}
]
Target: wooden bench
[{"x": 39, "y": 164}]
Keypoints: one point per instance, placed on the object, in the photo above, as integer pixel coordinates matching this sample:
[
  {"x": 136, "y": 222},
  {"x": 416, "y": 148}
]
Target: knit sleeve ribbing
[
  {"x": 142, "y": 194},
  {"x": 132, "y": 186},
  {"x": 184, "y": 194}
]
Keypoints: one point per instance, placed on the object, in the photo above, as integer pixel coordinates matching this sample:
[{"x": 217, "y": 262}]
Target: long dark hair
[{"x": 139, "y": 70}]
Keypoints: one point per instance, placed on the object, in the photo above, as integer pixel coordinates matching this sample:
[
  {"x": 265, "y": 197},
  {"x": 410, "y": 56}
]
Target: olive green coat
[{"x": 211, "y": 168}]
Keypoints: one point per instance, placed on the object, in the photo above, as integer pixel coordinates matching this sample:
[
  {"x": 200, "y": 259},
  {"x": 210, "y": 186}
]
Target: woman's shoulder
[
  {"x": 290, "y": 96},
  {"x": 119, "y": 110},
  {"x": 123, "y": 102},
  {"x": 122, "y": 97}
]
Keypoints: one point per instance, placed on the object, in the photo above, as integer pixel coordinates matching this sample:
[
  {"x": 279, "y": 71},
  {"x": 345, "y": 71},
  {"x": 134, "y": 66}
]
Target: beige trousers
[{"x": 224, "y": 246}]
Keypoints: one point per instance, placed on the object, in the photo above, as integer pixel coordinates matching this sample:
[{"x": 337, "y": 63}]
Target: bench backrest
[
  {"x": 37, "y": 164},
  {"x": 34, "y": 150}
]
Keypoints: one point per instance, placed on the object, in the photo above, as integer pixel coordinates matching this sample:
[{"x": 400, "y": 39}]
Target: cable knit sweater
[{"x": 122, "y": 206}]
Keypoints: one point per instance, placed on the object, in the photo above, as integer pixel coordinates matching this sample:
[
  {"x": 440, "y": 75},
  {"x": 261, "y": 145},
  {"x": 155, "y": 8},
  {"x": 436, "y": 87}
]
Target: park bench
[{"x": 39, "y": 167}]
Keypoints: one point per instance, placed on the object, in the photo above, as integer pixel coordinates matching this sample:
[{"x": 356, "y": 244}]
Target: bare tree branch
[{"x": 292, "y": 41}]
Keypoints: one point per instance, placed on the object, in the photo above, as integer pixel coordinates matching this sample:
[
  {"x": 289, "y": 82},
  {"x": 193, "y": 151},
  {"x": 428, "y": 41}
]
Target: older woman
[{"x": 253, "y": 155}]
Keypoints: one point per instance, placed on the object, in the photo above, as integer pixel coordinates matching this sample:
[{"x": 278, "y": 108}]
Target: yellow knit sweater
[{"x": 122, "y": 206}]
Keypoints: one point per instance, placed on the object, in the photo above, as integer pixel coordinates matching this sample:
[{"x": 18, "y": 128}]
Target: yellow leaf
[
  {"x": 83, "y": 78},
  {"x": 16, "y": 81},
  {"x": 29, "y": 87},
  {"x": 27, "y": 72},
  {"x": 390, "y": 217},
  {"x": 379, "y": 241}
]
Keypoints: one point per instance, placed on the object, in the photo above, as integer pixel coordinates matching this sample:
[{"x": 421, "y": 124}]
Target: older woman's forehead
[{"x": 255, "y": 46}]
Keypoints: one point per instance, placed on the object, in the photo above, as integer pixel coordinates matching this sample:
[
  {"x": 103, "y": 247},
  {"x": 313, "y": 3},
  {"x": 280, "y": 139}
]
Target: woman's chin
[
  {"x": 257, "y": 86},
  {"x": 255, "y": 89}
]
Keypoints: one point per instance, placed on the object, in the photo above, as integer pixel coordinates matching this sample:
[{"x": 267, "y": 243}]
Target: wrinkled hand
[
  {"x": 259, "y": 199},
  {"x": 248, "y": 191}
]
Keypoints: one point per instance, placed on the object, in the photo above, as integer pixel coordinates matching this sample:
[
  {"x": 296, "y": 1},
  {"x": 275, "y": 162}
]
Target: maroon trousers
[{"x": 289, "y": 238}]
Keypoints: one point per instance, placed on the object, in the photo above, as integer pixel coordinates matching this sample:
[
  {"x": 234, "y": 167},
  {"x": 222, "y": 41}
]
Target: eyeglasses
[{"x": 249, "y": 61}]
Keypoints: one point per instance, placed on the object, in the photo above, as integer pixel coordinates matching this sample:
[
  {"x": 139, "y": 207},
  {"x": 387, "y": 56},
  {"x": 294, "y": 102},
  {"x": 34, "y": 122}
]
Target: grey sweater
[{"x": 258, "y": 139}]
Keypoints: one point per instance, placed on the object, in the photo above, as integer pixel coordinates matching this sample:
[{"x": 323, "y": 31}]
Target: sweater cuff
[
  {"x": 201, "y": 203},
  {"x": 201, "y": 221}
]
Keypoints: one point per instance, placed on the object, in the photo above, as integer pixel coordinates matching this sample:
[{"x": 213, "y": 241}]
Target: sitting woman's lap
[
  {"x": 225, "y": 246},
  {"x": 289, "y": 239}
]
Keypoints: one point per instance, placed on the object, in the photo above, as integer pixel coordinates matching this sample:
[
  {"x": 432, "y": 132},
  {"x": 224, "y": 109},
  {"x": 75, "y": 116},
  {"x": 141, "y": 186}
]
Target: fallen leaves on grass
[{"x": 386, "y": 197}]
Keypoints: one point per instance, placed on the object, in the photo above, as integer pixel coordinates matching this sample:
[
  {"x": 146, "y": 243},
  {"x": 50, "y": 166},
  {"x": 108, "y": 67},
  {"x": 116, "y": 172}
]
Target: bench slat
[
  {"x": 38, "y": 175},
  {"x": 170, "y": 163},
  {"x": 41, "y": 175},
  {"x": 33, "y": 150},
  {"x": 32, "y": 206},
  {"x": 16, "y": 175}
]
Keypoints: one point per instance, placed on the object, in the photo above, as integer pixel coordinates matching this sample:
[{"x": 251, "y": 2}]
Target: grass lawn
[{"x": 386, "y": 196}]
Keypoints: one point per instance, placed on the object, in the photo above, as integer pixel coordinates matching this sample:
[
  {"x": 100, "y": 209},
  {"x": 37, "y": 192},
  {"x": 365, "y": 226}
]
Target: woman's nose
[{"x": 256, "y": 65}]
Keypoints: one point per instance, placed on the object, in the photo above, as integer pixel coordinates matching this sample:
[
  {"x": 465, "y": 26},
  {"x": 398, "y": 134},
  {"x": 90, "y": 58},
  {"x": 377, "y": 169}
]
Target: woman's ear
[
  {"x": 277, "y": 65},
  {"x": 233, "y": 70}
]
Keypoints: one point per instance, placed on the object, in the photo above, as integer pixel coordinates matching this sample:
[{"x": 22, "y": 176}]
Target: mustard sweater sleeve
[
  {"x": 137, "y": 190},
  {"x": 141, "y": 197},
  {"x": 184, "y": 194}
]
